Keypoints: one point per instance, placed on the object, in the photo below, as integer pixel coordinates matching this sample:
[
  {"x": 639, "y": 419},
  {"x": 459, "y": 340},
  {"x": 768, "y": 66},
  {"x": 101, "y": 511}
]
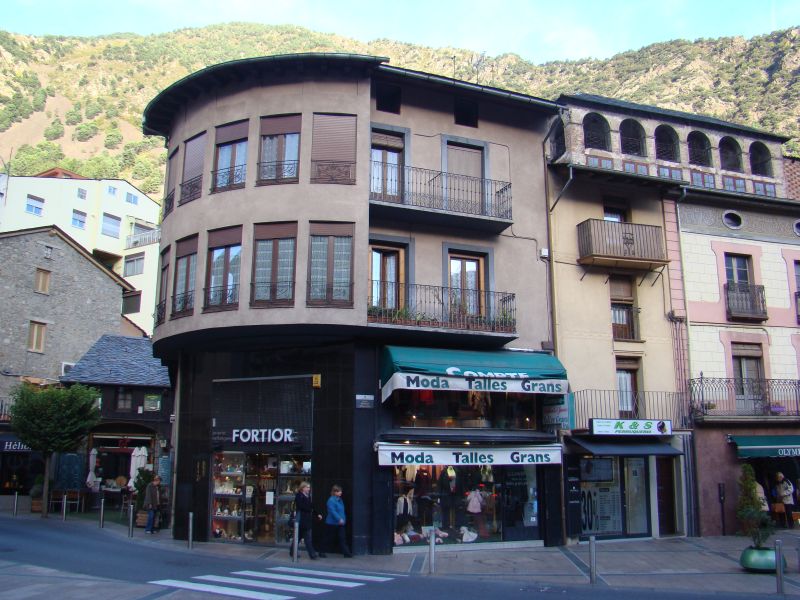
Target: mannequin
[{"x": 447, "y": 495}]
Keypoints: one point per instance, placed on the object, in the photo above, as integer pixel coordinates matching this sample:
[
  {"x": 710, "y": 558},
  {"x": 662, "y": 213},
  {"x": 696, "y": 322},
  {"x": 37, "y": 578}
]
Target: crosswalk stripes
[{"x": 276, "y": 579}]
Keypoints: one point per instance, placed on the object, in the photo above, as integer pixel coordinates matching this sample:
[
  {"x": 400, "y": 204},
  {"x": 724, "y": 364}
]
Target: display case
[
  {"x": 260, "y": 489},
  {"x": 228, "y": 506},
  {"x": 293, "y": 470}
]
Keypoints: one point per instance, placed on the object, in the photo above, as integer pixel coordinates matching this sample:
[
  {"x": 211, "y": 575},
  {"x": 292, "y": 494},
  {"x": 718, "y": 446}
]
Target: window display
[{"x": 428, "y": 408}]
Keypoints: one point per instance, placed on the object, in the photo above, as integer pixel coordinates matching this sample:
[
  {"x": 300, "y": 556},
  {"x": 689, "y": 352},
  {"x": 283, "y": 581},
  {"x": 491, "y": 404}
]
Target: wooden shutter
[
  {"x": 324, "y": 228},
  {"x": 462, "y": 160},
  {"x": 172, "y": 171},
  {"x": 280, "y": 124},
  {"x": 186, "y": 246},
  {"x": 621, "y": 287},
  {"x": 746, "y": 350},
  {"x": 230, "y": 236},
  {"x": 627, "y": 363},
  {"x": 193, "y": 157},
  {"x": 232, "y": 132},
  {"x": 334, "y": 138},
  {"x": 268, "y": 231},
  {"x": 387, "y": 140}
]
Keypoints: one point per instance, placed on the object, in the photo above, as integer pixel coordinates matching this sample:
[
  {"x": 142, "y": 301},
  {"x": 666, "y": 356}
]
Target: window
[
  {"x": 192, "y": 184},
  {"x": 635, "y": 167},
  {"x": 331, "y": 264},
  {"x": 667, "y": 144},
  {"x": 615, "y": 214},
  {"x": 48, "y": 252},
  {"x": 743, "y": 298},
  {"x": 124, "y": 400},
  {"x": 134, "y": 265},
  {"x": 42, "y": 281},
  {"x": 699, "y": 149},
  {"x": 764, "y": 189},
  {"x": 599, "y": 163},
  {"x": 632, "y": 138},
  {"x": 387, "y": 97},
  {"x": 670, "y": 173},
  {"x": 274, "y": 264},
  {"x": 152, "y": 402},
  {"x": 703, "y": 179},
  {"x": 595, "y": 132},
  {"x": 333, "y": 149},
  {"x": 112, "y": 191},
  {"x": 760, "y": 160},
  {"x": 185, "y": 273},
  {"x": 733, "y": 184},
  {"x": 280, "y": 149},
  {"x": 34, "y": 205},
  {"x": 82, "y": 193},
  {"x": 161, "y": 307},
  {"x": 224, "y": 262},
  {"x": 737, "y": 269},
  {"x": 465, "y": 112},
  {"x": 624, "y": 325},
  {"x": 387, "y": 277},
  {"x": 131, "y": 302},
  {"x": 730, "y": 155},
  {"x": 467, "y": 280},
  {"x": 231, "y": 156},
  {"x": 732, "y": 219},
  {"x": 131, "y": 198},
  {"x": 78, "y": 219},
  {"x": 172, "y": 177},
  {"x": 627, "y": 387},
  {"x": 111, "y": 225},
  {"x": 386, "y": 173},
  {"x": 36, "y": 335}
]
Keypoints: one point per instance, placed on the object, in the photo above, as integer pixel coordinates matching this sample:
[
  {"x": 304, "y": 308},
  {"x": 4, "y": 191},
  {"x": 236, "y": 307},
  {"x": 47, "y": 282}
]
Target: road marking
[
  {"x": 283, "y": 587},
  {"x": 331, "y": 574},
  {"x": 297, "y": 579},
  {"x": 218, "y": 589}
]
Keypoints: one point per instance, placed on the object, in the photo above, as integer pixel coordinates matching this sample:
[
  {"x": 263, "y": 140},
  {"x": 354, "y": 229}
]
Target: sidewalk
[{"x": 708, "y": 564}]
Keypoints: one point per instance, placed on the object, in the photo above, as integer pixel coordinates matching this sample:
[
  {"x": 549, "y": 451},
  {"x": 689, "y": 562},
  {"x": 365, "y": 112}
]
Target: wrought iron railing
[
  {"x": 272, "y": 293},
  {"x": 228, "y": 179},
  {"x": 221, "y": 296},
  {"x": 632, "y": 145},
  {"x": 143, "y": 239},
  {"x": 620, "y": 240},
  {"x": 699, "y": 154},
  {"x": 191, "y": 189},
  {"x": 333, "y": 171},
  {"x": 797, "y": 305},
  {"x": 169, "y": 203},
  {"x": 619, "y": 404},
  {"x": 440, "y": 190},
  {"x": 625, "y": 321},
  {"x": 281, "y": 171},
  {"x": 593, "y": 138},
  {"x": 416, "y": 305},
  {"x": 325, "y": 293},
  {"x": 745, "y": 301},
  {"x": 183, "y": 303},
  {"x": 161, "y": 311},
  {"x": 746, "y": 397},
  {"x": 667, "y": 151}
]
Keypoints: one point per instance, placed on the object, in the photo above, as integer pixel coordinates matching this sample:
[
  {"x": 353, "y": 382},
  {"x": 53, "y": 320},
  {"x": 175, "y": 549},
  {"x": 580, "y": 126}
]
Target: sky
[{"x": 538, "y": 30}]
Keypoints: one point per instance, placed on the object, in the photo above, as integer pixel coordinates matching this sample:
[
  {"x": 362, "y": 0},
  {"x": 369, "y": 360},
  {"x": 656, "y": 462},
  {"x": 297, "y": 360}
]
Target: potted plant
[
  {"x": 143, "y": 479},
  {"x": 755, "y": 523},
  {"x": 37, "y": 489}
]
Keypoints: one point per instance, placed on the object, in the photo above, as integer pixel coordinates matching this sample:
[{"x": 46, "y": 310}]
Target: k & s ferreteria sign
[
  {"x": 459, "y": 380},
  {"x": 631, "y": 427},
  {"x": 402, "y": 454}
]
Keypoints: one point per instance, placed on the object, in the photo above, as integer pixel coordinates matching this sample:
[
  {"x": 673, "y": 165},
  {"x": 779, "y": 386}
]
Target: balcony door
[
  {"x": 465, "y": 192},
  {"x": 466, "y": 284},
  {"x": 627, "y": 388},
  {"x": 748, "y": 379},
  {"x": 386, "y": 271},
  {"x": 386, "y": 174}
]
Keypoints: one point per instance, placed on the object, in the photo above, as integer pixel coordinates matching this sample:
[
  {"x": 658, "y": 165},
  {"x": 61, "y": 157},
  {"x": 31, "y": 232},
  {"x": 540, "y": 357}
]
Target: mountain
[{"x": 78, "y": 101}]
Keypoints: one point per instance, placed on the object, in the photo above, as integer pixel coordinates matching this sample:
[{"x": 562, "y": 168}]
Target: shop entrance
[{"x": 252, "y": 495}]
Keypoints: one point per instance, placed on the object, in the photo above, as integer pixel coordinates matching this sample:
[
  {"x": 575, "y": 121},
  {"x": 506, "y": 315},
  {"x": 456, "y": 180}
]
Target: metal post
[
  {"x": 592, "y": 560},
  {"x": 130, "y": 520},
  {"x": 102, "y": 512},
  {"x": 191, "y": 530},
  {"x": 432, "y": 552},
  {"x": 295, "y": 540},
  {"x": 64, "y": 507},
  {"x": 779, "y": 566},
  {"x": 721, "y": 495},
  {"x": 16, "y": 502}
]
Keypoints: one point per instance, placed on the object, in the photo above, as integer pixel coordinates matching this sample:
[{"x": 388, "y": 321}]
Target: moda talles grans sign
[{"x": 402, "y": 454}]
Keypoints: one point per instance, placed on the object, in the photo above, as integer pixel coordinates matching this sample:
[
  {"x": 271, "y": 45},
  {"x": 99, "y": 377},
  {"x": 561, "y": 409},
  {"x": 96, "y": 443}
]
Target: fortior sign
[
  {"x": 403, "y": 454},
  {"x": 631, "y": 427}
]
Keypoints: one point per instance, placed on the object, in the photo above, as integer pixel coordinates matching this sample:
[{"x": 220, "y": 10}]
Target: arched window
[
  {"x": 558, "y": 142},
  {"x": 631, "y": 137},
  {"x": 760, "y": 160},
  {"x": 730, "y": 155},
  {"x": 699, "y": 149},
  {"x": 667, "y": 145},
  {"x": 595, "y": 132}
]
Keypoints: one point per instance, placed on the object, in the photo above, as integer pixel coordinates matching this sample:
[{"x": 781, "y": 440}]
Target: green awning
[
  {"x": 776, "y": 446},
  {"x": 519, "y": 371}
]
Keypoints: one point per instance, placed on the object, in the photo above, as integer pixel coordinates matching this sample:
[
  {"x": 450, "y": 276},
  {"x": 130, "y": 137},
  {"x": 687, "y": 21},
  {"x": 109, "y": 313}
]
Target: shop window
[
  {"x": 387, "y": 279},
  {"x": 230, "y": 160},
  {"x": 386, "y": 170},
  {"x": 185, "y": 273},
  {"x": 429, "y": 408},
  {"x": 223, "y": 267},
  {"x": 614, "y": 496},
  {"x": 280, "y": 149},
  {"x": 331, "y": 264},
  {"x": 274, "y": 264}
]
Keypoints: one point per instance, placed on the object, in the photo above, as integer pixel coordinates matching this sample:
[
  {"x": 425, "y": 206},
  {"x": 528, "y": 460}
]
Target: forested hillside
[{"x": 78, "y": 102}]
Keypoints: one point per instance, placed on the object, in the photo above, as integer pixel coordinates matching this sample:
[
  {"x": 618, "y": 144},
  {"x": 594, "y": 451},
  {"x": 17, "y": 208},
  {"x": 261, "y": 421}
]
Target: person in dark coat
[
  {"x": 152, "y": 502},
  {"x": 335, "y": 521},
  {"x": 305, "y": 518}
]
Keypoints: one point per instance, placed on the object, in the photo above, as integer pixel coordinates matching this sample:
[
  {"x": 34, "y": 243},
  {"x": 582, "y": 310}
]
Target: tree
[
  {"x": 750, "y": 511},
  {"x": 53, "y": 420}
]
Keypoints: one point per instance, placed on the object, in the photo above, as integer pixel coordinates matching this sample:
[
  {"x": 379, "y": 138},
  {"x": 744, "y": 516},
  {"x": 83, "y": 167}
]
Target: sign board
[
  {"x": 631, "y": 427},
  {"x": 556, "y": 413},
  {"x": 479, "y": 382},
  {"x": 405, "y": 454},
  {"x": 365, "y": 401}
]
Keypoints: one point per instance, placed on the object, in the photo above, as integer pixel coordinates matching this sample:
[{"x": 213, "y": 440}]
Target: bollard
[
  {"x": 130, "y": 520},
  {"x": 432, "y": 552},
  {"x": 592, "y": 560},
  {"x": 295, "y": 540},
  {"x": 64, "y": 507},
  {"x": 191, "y": 530},
  {"x": 102, "y": 512},
  {"x": 779, "y": 567},
  {"x": 16, "y": 502}
]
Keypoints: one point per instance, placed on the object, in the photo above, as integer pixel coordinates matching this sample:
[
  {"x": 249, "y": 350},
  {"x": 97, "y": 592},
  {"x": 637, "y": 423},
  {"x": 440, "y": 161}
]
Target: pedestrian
[
  {"x": 335, "y": 522},
  {"x": 152, "y": 503},
  {"x": 784, "y": 492},
  {"x": 305, "y": 515}
]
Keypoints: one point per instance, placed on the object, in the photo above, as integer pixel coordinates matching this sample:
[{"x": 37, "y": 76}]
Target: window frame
[
  {"x": 137, "y": 260},
  {"x": 378, "y": 301},
  {"x": 734, "y": 184},
  {"x": 331, "y": 231},
  {"x": 109, "y": 218},
  {"x": 762, "y": 188},
  {"x": 595, "y": 123},
  {"x": 464, "y": 258},
  {"x": 627, "y": 330},
  {"x": 235, "y": 180},
  {"x": 123, "y": 400},
  {"x": 226, "y": 272},
  {"x": 41, "y": 283},
  {"x": 111, "y": 190},
  {"x": 639, "y": 168},
  {"x": 81, "y": 222},
  {"x": 81, "y": 193},
  {"x": 730, "y": 155},
  {"x": 699, "y": 148},
  {"x": 34, "y": 205},
  {"x": 131, "y": 198},
  {"x": 187, "y": 286},
  {"x": 388, "y": 97},
  {"x": 671, "y": 172},
  {"x": 274, "y": 234},
  {"x": 600, "y": 162},
  {"x": 705, "y": 179},
  {"x": 37, "y": 333},
  {"x": 466, "y": 112},
  {"x": 745, "y": 265}
]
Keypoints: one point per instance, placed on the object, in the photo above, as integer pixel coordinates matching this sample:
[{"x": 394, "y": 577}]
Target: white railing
[{"x": 143, "y": 239}]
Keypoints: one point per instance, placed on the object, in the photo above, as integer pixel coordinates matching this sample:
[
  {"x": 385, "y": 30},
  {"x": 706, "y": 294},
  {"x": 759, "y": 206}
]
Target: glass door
[{"x": 636, "y": 505}]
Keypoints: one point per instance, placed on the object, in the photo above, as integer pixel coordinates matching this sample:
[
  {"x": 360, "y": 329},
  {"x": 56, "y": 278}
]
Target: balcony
[
  {"x": 745, "y": 302},
  {"x": 221, "y": 297},
  {"x": 277, "y": 172},
  {"x": 627, "y": 245},
  {"x": 191, "y": 189},
  {"x": 414, "y": 194},
  {"x": 412, "y": 305},
  {"x": 169, "y": 203},
  {"x": 272, "y": 293},
  {"x": 183, "y": 304},
  {"x": 729, "y": 397},
  {"x": 161, "y": 311},
  {"x": 143, "y": 239},
  {"x": 333, "y": 171},
  {"x": 615, "y": 404},
  {"x": 232, "y": 178}
]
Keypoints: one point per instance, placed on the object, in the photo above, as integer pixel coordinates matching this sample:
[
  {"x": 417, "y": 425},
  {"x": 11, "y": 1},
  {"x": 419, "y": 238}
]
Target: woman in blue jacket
[{"x": 335, "y": 521}]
